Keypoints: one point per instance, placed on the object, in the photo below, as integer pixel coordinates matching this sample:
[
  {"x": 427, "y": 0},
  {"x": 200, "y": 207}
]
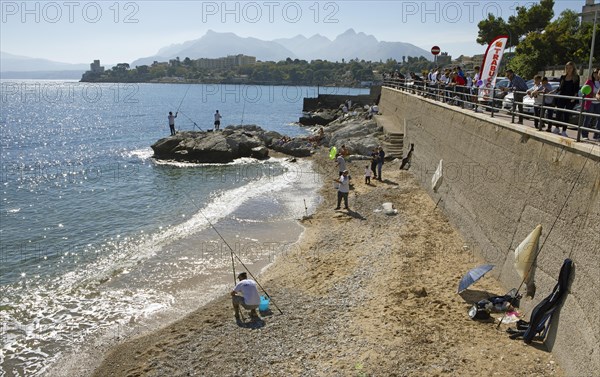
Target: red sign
[{"x": 435, "y": 50}]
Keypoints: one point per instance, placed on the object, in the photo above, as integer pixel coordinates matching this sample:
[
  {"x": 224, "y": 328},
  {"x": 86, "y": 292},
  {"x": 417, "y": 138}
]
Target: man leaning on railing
[{"x": 518, "y": 86}]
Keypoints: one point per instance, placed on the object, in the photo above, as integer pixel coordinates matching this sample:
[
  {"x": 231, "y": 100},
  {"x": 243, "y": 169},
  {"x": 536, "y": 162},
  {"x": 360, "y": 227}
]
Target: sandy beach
[{"x": 362, "y": 294}]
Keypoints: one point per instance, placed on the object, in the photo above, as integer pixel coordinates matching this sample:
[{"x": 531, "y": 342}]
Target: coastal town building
[
  {"x": 229, "y": 61},
  {"x": 589, "y": 10},
  {"x": 95, "y": 67}
]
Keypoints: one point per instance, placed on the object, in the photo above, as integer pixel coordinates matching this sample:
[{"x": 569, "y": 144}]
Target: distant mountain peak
[{"x": 348, "y": 45}]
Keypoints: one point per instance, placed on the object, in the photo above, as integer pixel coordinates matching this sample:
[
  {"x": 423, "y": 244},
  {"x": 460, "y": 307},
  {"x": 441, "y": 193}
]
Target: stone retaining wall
[{"x": 500, "y": 181}]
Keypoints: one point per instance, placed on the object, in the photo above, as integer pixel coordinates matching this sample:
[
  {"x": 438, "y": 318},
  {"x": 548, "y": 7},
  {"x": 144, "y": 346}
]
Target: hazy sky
[{"x": 122, "y": 31}]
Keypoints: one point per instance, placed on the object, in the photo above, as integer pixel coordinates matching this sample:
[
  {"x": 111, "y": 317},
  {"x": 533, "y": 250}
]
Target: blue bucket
[{"x": 264, "y": 304}]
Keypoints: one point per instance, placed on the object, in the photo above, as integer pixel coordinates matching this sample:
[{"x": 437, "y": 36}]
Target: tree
[
  {"x": 562, "y": 40},
  {"x": 527, "y": 20}
]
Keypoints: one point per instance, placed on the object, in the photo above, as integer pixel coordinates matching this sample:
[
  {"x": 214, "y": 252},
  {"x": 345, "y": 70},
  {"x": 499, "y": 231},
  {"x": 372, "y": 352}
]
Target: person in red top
[{"x": 459, "y": 83}]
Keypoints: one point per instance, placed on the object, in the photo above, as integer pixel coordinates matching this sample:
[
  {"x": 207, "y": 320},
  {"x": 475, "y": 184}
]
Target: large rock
[
  {"x": 215, "y": 147},
  {"x": 321, "y": 118},
  {"x": 360, "y": 136},
  {"x": 294, "y": 147}
]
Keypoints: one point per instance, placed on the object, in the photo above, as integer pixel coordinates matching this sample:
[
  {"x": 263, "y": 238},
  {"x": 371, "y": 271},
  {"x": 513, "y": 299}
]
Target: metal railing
[{"x": 495, "y": 101}]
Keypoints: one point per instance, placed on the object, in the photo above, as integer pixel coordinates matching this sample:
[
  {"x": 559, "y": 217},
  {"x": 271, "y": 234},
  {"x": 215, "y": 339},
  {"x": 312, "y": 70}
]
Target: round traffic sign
[{"x": 435, "y": 50}]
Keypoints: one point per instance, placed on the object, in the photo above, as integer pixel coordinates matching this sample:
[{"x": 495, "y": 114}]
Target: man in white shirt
[
  {"x": 340, "y": 163},
  {"x": 343, "y": 189},
  {"x": 249, "y": 298},
  {"x": 171, "y": 118}
]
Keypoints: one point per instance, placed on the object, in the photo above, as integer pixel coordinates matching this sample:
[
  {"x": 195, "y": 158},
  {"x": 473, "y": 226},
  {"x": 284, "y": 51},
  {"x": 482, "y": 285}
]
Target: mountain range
[
  {"x": 17, "y": 63},
  {"x": 348, "y": 45}
]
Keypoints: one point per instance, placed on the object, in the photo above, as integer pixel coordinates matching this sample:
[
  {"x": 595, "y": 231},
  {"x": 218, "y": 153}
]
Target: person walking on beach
[
  {"x": 340, "y": 163},
  {"x": 249, "y": 298},
  {"x": 374, "y": 161},
  {"x": 343, "y": 189},
  {"x": 367, "y": 175},
  {"x": 171, "y": 118},
  {"x": 381, "y": 154},
  {"x": 217, "y": 120}
]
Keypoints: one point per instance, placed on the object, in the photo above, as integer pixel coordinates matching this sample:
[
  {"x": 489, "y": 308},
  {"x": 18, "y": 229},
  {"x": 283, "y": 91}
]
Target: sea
[{"x": 100, "y": 242}]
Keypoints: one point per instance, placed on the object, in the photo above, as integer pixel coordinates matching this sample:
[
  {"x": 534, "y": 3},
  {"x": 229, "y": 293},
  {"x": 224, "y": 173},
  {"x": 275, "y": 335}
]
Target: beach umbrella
[{"x": 473, "y": 275}]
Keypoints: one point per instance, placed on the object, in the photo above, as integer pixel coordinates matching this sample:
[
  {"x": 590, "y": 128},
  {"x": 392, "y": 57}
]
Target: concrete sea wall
[{"x": 499, "y": 182}]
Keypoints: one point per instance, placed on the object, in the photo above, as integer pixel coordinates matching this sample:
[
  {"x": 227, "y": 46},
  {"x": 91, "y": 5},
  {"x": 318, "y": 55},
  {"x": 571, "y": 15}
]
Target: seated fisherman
[{"x": 249, "y": 299}]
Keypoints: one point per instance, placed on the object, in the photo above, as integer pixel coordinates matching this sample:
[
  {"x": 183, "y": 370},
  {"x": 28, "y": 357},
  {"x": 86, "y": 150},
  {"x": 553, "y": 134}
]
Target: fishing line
[
  {"x": 243, "y": 110},
  {"x": 186, "y": 92},
  {"x": 233, "y": 254},
  {"x": 550, "y": 231}
]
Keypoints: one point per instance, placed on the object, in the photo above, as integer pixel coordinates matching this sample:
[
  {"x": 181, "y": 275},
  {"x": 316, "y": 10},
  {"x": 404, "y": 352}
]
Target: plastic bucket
[{"x": 264, "y": 304}]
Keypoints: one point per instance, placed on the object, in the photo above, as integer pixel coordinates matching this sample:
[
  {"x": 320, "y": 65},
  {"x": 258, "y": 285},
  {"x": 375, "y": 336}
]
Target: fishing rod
[
  {"x": 191, "y": 120},
  {"x": 549, "y": 231},
  {"x": 186, "y": 92},
  {"x": 233, "y": 254}
]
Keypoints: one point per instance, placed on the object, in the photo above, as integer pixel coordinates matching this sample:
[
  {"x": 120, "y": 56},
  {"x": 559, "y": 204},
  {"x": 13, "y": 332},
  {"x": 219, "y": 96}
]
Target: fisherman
[
  {"x": 217, "y": 120},
  {"x": 172, "y": 122},
  {"x": 249, "y": 299}
]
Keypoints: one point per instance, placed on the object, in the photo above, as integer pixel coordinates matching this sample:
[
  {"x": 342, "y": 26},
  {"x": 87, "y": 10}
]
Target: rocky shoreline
[
  {"x": 355, "y": 129},
  {"x": 362, "y": 293}
]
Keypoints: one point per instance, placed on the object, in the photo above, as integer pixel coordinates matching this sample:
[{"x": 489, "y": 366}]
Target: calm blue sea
[{"x": 98, "y": 240}]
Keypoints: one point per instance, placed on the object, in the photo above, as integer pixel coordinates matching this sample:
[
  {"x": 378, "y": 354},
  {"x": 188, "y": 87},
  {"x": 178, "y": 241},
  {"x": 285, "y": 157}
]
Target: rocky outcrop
[
  {"x": 355, "y": 130},
  {"x": 320, "y": 118},
  {"x": 216, "y": 147},
  {"x": 294, "y": 147}
]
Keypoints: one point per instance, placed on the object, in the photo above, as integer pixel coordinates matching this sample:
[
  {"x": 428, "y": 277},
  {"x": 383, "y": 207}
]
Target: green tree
[
  {"x": 562, "y": 40},
  {"x": 527, "y": 20}
]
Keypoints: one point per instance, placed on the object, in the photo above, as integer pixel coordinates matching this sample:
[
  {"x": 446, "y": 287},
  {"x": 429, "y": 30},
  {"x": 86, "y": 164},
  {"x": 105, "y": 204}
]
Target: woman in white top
[{"x": 536, "y": 93}]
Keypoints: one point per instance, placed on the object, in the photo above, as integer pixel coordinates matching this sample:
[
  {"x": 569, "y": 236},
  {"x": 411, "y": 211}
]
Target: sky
[{"x": 122, "y": 31}]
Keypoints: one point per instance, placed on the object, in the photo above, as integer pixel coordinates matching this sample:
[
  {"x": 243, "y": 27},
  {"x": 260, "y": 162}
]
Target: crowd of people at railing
[{"x": 553, "y": 106}]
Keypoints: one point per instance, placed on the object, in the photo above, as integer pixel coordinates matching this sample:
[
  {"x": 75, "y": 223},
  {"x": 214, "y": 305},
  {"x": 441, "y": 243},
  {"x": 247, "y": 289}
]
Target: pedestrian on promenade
[
  {"x": 593, "y": 106},
  {"x": 569, "y": 86},
  {"x": 171, "y": 118},
  {"x": 548, "y": 104},
  {"x": 518, "y": 86},
  {"x": 536, "y": 92}
]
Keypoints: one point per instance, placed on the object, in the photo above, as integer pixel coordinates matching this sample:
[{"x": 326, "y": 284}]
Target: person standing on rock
[
  {"x": 249, "y": 298},
  {"x": 217, "y": 120},
  {"x": 171, "y": 118},
  {"x": 343, "y": 189}
]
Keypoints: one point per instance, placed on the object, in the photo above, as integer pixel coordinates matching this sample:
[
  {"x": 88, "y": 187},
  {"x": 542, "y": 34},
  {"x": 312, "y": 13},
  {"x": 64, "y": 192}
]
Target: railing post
[
  {"x": 513, "y": 107},
  {"x": 541, "y": 115},
  {"x": 580, "y": 121},
  {"x": 492, "y": 101}
]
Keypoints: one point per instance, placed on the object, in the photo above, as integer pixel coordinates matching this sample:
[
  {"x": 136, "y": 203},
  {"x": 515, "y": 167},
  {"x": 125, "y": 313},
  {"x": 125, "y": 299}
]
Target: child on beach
[{"x": 367, "y": 175}]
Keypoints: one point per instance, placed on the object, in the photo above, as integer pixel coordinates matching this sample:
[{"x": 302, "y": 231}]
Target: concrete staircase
[{"x": 393, "y": 143}]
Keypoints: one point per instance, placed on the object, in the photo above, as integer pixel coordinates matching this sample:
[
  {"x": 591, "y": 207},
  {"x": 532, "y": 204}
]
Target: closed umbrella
[{"x": 473, "y": 275}]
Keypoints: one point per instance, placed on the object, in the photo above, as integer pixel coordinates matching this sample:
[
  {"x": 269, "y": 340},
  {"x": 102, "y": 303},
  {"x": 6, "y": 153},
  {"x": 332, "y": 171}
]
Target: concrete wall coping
[{"x": 588, "y": 150}]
